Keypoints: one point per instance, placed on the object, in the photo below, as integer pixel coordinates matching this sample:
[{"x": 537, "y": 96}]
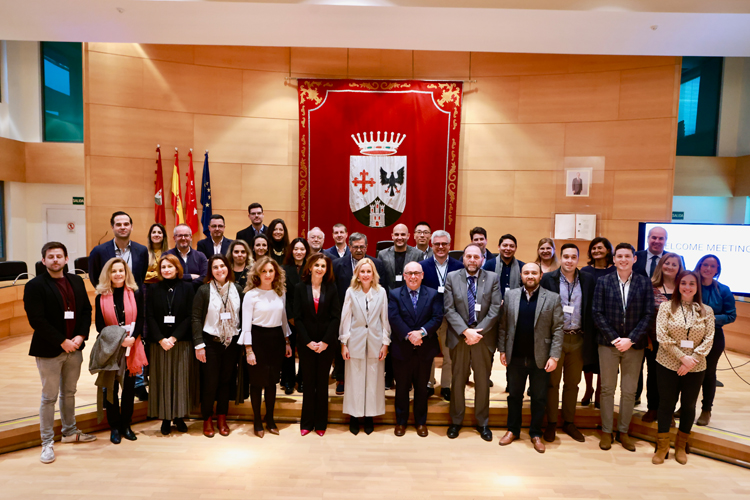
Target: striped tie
[{"x": 472, "y": 300}]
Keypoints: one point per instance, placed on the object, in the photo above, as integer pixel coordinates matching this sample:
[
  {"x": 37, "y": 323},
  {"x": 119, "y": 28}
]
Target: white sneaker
[
  {"x": 48, "y": 454},
  {"x": 78, "y": 437}
]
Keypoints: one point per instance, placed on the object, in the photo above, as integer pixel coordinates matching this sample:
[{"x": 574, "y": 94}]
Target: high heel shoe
[
  {"x": 320, "y": 433},
  {"x": 166, "y": 427},
  {"x": 586, "y": 400},
  {"x": 369, "y": 425},
  {"x": 258, "y": 431},
  {"x": 304, "y": 432},
  {"x": 354, "y": 425},
  {"x": 271, "y": 428},
  {"x": 222, "y": 423}
]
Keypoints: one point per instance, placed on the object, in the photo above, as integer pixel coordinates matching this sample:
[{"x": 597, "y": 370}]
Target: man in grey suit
[
  {"x": 472, "y": 308},
  {"x": 530, "y": 339},
  {"x": 396, "y": 257}
]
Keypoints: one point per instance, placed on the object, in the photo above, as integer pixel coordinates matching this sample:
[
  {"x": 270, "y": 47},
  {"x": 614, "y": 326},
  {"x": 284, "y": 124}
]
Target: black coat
[
  {"x": 342, "y": 269},
  {"x": 206, "y": 246},
  {"x": 100, "y": 254},
  {"x": 157, "y": 307},
  {"x": 403, "y": 319},
  {"x": 292, "y": 279},
  {"x": 321, "y": 326},
  {"x": 248, "y": 234},
  {"x": 43, "y": 303}
]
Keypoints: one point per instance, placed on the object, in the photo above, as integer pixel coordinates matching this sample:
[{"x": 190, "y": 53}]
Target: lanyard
[
  {"x": 571, "y": 289},
  {"x": 684, "y": 317},
  {"x": 170, "y": 298},
  {"x": 624, "y": 298},
  {"x": 224, "y": 301},
  {"x": 441, "y": 277}
]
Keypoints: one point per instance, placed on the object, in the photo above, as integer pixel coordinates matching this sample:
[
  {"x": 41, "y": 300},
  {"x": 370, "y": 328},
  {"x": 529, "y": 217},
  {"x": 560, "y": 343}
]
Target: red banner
[{"x": 378, "y": 153}]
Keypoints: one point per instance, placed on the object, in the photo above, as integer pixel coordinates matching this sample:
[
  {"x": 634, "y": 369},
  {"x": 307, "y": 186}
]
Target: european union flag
[{"x": 206, "y": 198}]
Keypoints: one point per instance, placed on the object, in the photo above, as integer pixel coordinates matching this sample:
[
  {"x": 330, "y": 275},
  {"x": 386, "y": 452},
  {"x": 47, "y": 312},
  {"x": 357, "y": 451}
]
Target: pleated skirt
[{"x": 173, "y": 387}]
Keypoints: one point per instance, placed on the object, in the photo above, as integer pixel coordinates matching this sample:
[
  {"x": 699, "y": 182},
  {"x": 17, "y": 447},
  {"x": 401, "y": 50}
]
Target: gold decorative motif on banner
[
  {"x": 451, "y": 94},
  {"x": 452, "y": 175},
  {"x": 309, "y": 91},
  {"x": 379, "y": 85}
]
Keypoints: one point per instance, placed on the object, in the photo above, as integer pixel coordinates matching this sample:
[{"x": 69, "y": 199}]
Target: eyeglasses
[
  {"x": 421, "y": 232},
  {"x": 413, "y": 273},
  {"x": 440, "y": 244},
  {"x": 178, "y": 236},
  {"x": 359, "y": 247}
]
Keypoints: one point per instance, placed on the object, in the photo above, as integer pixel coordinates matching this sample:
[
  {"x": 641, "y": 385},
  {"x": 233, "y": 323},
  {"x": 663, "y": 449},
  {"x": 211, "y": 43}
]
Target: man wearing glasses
[
  {"x": 194, "y": 263},
  {"x": 216, "y": 242},
  {"x": 422, "y": 233}
]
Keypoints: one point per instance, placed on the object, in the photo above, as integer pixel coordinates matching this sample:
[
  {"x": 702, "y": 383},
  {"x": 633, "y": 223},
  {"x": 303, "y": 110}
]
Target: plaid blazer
[{"x": 633, "y": 322}]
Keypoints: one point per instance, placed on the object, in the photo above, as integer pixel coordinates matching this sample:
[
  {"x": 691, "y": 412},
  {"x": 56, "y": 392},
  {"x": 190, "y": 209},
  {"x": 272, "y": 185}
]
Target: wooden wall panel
[
  {"x": 242, "y": 140},
  {"x": 649, "y": 92},
  {"x": 640, "y": 195},
  {"x": 534, "y": 194},
  {"x": 492, "y": 100},
  {"x": 485, "y": 192},
  {"x": 515, "y": 147},
  {"x": 742, "y": 179},
  {"x": 586, "y": 63},
  {"x": 54, "y": 163},
  {"x": 376, "y": 63},
  {"x": 270, "y": 185},
  {"x": 311, "y": 61},
  {"x": 433, "y": 64},
  {"x": 256, "y": 58},
  {"x": 226, "y": 185},
  {"x": 705, "y": 176},
  {"x": 115, "y": 79},
  {"x": 154, "y": 52},
  {"x": 495, "y": 64},
  {"x": 12, "y": 160},
  {"x": 268, "y": 95}
]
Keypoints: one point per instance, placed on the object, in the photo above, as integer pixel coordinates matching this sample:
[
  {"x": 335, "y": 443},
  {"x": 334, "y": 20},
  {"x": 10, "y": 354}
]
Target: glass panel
[
  {"x": 62, "y": 91},
  {"x": 700, "y": 96}
]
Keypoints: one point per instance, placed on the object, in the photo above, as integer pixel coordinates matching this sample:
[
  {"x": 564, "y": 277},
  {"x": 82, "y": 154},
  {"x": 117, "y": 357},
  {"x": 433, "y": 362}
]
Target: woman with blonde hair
[
  {"x": 118, "y": 303},
  {"x": 546, "y": 256},
  {"x": 240, "y": 257},
  {"x": 365, "y": 335},
  {"x": 265, "y": 335},
  {"x": 685, "y": 330}
]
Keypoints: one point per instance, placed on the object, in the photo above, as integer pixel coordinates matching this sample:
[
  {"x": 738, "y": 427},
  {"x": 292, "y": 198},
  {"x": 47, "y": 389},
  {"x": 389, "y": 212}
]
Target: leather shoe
[
  {"x": 339, "y": 388},
  {"x": 446, "y": 394},
  {"x": 300, "y": 388},
  {"x": 605, "y": 442},
  {"x": 538, "y": 445},
  {"x": 626, "y": 441},
  {"x": 508, "y": 438},
  {"x": 166, "y": 427},
  {"x": 453, "y": 431},
  {"x": 422, "y": 431},
  {"x": 222, "y": 423},
  {"x": 354, "y": 425},
  {"x": 289, "y": 389},
  {"x": 272, "y": 429},
  {"x": 549, "y": 432},
  {"x": 369, "y": 425},
  {"x": 649, "y": 416},
  {"x": 114, "y": 436},
  {"x": 259, "y": 432},
  {"x": 208, "y": 428},
  {"x": 484, "y": 432},
  {"x": 572, "y": 431},
  {"x": 128, "y": 434},
  {"x": 430, "y": 391},
  {"x": 180, "y": 424},
  {"x": 400, "y": 430}
]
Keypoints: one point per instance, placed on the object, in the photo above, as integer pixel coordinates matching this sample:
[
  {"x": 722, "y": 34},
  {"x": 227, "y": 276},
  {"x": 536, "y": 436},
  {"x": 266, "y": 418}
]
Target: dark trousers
[
  {"x": 256, "y": 393},
  {"x": 338, "y": 364},
  {"x": 314, "y": 369},
  {"x": 414, "y": 372},
  {"x": 120, "y": 413},
  {"x": 289, "y": 375},
  {"x": 217, "y": 371},
  {"x": 652, "y": 378},
  {"x": 388, "y": 370},
  {"x": 519, "y": 369},
  {"x": 687, "y": 388},
  {"x": 712, "y": 360}
]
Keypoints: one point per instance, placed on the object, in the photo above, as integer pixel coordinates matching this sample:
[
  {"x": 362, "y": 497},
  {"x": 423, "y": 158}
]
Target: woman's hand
[
  {"x": 288, "y": 352},
  {"x": 322, "y": 346},
  {"x": 682, "y": 370},
  {"x": 688, "y": 362},
  {"x": 383, "y": 352},
  {"x": 166, "y": 344},
  {"x": 128, "y": 342},
  {"x": 345, "y": 352},
  {"x": 200, "y": 355},
  {"x": 314, "y": 346},
  {"x": 250, "y": 355}
]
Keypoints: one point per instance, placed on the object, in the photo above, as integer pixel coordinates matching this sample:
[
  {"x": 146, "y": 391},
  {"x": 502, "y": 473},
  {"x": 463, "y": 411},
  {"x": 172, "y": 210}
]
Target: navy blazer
[
  {"x": 249, "y": 233},
  {"x": 102, "y": 253},
  {"x": 206, "y": 246},
  {"x": 429, "y": 268},
  {"x": 334, "y": 254},
  {"x": 403, "y": 319},
  {"x": 342, "y": 269},
  {"x": 609, "y": 317},
  {"x": 197, "y": 263},
  {"x": 641, "y": 258}
]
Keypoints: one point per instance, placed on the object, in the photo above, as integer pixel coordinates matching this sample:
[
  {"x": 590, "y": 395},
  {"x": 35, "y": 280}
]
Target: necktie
[
  {"x": 472, "y": 300},
  {"x": 414, "y": 299},
  {"x": 654, "y": 258}
]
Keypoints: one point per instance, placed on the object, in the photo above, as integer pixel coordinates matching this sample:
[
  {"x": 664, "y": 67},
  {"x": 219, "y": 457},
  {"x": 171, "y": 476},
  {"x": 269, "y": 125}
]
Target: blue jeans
[{"x": 59, "y": 376}]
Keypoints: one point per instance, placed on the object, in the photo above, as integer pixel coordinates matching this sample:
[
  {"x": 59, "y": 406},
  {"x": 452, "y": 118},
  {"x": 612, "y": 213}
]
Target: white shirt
[
  {"x": 625, "y": 289},
  {"x": 217, "y": 248},
  {"x": 216, "y": 307},
  {"x": 262, "y": 308},
  {"x": 442, "y": 271},
  {"x": 124, "y": 254}
]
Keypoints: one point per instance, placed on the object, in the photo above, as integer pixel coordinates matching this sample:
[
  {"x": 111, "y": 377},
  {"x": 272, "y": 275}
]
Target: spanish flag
[{"x": 179, "y": 218}]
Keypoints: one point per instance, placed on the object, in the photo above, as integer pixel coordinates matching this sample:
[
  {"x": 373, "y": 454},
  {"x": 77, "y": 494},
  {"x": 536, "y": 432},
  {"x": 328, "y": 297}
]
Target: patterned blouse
[{"x": 684, "y": 324}]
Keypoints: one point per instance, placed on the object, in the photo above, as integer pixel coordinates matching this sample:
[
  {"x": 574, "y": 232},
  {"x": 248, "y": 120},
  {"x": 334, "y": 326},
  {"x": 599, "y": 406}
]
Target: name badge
[
  {"x": 400, "y": 278},
  {"x": 477, "y": 307},
  {"x": 129, "y": 328},
  {"x": 686, "y": 343},
  {"x": 168, "y": 320},
  {"x": 70, "y": 315},
  {"x": 223, "y": 316},
  {"x": 568, "y": 309},
  {"x": 441, "y": 289},
  {"x": 507, "y": 289}
]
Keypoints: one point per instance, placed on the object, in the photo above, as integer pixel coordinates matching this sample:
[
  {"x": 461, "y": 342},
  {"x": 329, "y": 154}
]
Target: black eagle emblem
[{"x": 391, "y": 182}]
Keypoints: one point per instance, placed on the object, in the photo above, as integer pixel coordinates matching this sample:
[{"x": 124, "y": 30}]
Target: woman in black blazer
[
  {"x": 317, "y": 312},
  {"x": 294, "y": 263},
  {"x": 169, "y": 305}
]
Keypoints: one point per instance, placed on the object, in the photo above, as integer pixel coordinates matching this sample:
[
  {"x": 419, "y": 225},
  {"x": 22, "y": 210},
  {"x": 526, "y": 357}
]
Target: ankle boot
[
  {"x": 662, "y": 448},
  {"x": 208, "y": 428},
  {"x": 680, "y": 453},
  {"x": 222, "y": 424}
]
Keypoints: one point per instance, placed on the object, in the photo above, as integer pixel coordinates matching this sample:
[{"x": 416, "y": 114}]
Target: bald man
[
  {"x": 646, "y": 260},
  {"x": 396, "y": 257}
]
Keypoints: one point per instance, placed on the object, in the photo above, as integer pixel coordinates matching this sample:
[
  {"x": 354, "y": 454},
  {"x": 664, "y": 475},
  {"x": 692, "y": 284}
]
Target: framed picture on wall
[{"x": 578, "y": 182}]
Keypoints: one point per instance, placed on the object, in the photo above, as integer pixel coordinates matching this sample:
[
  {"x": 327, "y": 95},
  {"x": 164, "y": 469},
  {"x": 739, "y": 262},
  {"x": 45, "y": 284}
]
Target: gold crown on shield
[{"x": 377, "y": 147}]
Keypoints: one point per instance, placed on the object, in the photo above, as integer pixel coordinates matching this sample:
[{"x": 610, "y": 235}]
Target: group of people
[{"x": 224, "y": 322}]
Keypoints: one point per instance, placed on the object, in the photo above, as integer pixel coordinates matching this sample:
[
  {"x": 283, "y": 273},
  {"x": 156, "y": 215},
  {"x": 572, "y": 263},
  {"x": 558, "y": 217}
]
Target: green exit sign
[
  {"x": 678, "y": 215},
  {"x": 78, "y": 200}
]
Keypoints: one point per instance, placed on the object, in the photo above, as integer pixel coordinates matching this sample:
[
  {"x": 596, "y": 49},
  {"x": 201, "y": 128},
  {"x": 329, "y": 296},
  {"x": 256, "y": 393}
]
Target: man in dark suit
[
  {"x": 339, "y": 250},
  {"x": 194, "y": 263},
  {"x": 316, "y": 237},
  {"x": 505, "y": 265},
  {"x": 576, "y": 290},
  {"x": 58, "y": 309},
  {"x": 472, "y": 308},
  {"x": 343, "y": 269},
  {"x": 530, "y": 339},
  {"x": 646, "y": 260},
  {"x": 216, "y": 243},
  {"x": 478, "y": 236},
  {"x": 135, "y": 254},
  {"x": 256, "y": 227},
  {"x": 623, "y": 307},
  {"x": 415, "y": 312},
  {"x": 436, "y": 269},
  {"x": 396, "y": 257},
  {"x": 577, "y": 184}
]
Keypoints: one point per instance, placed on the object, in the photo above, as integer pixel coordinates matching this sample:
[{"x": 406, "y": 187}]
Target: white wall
[
  {"x": 712, "y": 209},
  {"x": 21, "y": 107},
  {"x": 734, "y": 114},
  {"x": 26, "y": 216}
]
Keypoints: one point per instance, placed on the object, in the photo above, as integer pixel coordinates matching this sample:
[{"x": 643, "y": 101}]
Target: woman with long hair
[
  {"x": 216, "y": 323},
  {"x": 157, "y": 245},
  {"x": 279, "y": 240},
  {"x": 685, "y": 330},
  {"x": 169, "y": 307},
  {"x": 265, "y": 335},
  {"x": 241, "y": 260},
  {"x": 294, "y": 262},
  {"x": 365, "y": 335},
  {"x": 118, "y": 302},
  {"x": 720, "y": 299},
  {"x": 546, "y": 256},
  {"x": 317, "y": 312},
  {"x": 261, "y": 243}
]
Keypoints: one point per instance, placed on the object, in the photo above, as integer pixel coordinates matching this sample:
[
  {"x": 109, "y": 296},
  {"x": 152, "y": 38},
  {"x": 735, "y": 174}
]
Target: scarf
[
  {"x": 514, "y": 281},
  {"x": 227, "y": 327},
  {"x": 137, "y": 358}
]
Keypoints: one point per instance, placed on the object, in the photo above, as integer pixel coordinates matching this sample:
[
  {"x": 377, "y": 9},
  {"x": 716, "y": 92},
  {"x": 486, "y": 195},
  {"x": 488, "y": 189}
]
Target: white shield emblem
[{"x": 377, "y": 181}]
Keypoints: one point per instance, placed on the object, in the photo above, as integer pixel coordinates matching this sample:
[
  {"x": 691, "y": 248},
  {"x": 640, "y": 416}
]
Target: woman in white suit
[{"x": 364, "y": 335}]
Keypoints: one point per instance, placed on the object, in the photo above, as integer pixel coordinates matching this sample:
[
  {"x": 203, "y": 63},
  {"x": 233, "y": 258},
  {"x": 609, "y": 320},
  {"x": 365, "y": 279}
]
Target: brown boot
[
  {"x": 680, "y": 454},
  {"x": 222, "y": 423},
  {"x": 662, "y": 448},
  {"x": 704, "y": 418},
  {"x": 208, "y": 428}
]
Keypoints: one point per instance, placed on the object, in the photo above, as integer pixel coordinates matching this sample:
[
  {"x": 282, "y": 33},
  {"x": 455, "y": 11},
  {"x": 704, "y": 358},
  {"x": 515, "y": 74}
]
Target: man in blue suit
[
  {"x": 135, "y": 254},
  {"x": 339, "y": 250},
  {"x": 436, "y": 270},
  {"x": 646, "y": 260},
  {"x": 194, "y": 263},
  {"x": 415, "y": 313},
  {"x": 216, "y": 243}
]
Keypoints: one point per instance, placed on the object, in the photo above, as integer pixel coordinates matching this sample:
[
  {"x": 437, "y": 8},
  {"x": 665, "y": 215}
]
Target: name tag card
[
  {"x": 507, "y": 289},
  {"x": 69, "y": 315},
  {"x": 129, "y": 328},
  {"x": 168, "y": 320},
  {"x": 400, "y": 278},
  {"x": 441, "y": 289},
  {"x": 223, "y": 316},
  {"x": 687, "y": 344},
  {"x": 477, "y": 307},
  {"x": 568, "y": 309}
]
